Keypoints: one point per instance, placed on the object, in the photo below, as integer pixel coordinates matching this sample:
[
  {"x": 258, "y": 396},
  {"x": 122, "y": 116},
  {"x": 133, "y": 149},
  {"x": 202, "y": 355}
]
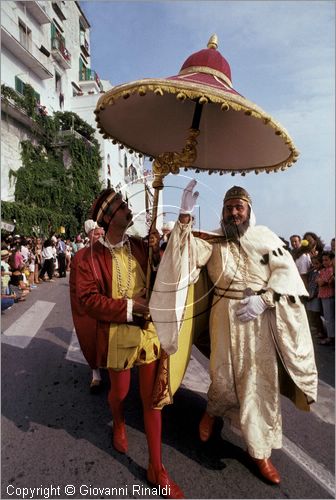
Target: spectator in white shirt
[
  {"x": 48, "y": 253},
  {"x": 301, "y": 256}
]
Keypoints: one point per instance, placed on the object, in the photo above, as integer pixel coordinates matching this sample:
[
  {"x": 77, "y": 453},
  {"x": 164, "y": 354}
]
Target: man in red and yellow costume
[{"x": 110, "y": 288}]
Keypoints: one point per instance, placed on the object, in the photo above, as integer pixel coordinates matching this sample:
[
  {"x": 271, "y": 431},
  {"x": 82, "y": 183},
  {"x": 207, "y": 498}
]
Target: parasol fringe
[{"x": 235, "y": 102}]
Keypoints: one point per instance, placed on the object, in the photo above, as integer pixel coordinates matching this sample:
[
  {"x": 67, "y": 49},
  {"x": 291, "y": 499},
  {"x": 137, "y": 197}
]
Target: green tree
[{"x": 47, "y": 190}]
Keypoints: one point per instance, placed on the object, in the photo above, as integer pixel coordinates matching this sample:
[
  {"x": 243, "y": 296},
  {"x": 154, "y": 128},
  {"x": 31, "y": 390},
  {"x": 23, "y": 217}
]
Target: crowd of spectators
[
  {"x": 27, "y": 262},
  {"x": 316, "y": 265}
]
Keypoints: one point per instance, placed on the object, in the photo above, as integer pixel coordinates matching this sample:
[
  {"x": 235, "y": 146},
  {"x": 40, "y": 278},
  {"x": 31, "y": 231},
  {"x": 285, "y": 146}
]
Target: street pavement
[{"x": 56, "y": 437}]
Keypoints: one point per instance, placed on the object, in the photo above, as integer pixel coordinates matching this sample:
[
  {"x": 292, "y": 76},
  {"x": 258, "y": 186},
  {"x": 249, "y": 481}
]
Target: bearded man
[{"x": 256, "y": 319}]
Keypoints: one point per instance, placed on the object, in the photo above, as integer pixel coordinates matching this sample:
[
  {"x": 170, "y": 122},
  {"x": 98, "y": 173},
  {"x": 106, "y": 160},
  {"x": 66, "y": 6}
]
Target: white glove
[
  {"x": 189, "y": 198},
  {"x": 251, "y": 307}
]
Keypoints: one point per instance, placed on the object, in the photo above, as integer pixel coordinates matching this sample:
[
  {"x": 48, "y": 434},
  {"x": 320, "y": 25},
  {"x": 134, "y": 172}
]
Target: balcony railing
[
  {"x": 87, "y": 74},
  {"x": 61, "y": 138},
  {"x": 59, "y": 48},
  {"x": 13, "y": 104}
]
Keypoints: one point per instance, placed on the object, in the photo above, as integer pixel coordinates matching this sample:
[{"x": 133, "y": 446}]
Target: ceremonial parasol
[{"x": 194, "y": 120}]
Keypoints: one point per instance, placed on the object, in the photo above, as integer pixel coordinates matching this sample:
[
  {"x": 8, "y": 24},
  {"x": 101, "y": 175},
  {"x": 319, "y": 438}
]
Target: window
[
  {"x": 108, "y": 161},
  {"x": 58, "y": 82},
  {"x": 58, "y": 42},
  {"x": 20, "y": 87},
  {"x": 25, "y": 35},
  {"x": 83, "y": 41},
  {"x": 58, "y": 10},
  {"x": 81, "y": 32},
  {"x": 58, "y": 88},
  {"x": 56, "y": 27},
  {"x": 120, "y": 160},
  {"x": 82, "y": 70},
  {"x": 126, "y": 169}
]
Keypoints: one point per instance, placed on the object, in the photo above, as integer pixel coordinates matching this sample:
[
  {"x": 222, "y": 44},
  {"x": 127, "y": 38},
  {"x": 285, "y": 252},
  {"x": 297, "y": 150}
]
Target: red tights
[{"x": 120, "y": 383}]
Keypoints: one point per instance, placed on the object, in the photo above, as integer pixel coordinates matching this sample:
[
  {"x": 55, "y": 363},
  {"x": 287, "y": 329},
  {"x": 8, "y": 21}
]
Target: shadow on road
[{"x": 51, "y": 391}]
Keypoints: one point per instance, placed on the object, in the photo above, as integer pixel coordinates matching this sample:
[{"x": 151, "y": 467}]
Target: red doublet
[{"x": 85, "y": 325}]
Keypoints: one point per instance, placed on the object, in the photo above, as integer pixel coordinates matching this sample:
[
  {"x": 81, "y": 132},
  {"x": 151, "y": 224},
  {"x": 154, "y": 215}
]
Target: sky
[{"x": 282, "y": 57}]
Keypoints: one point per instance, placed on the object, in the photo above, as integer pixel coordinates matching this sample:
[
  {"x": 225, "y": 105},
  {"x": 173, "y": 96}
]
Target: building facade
[{"x": 47, "y": 45}]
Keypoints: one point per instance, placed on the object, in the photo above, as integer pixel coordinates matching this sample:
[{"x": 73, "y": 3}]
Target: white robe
[{"x": 243, "y": 362}]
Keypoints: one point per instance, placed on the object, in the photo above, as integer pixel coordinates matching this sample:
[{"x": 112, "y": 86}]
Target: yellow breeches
[{"x": 129, "y": 345}]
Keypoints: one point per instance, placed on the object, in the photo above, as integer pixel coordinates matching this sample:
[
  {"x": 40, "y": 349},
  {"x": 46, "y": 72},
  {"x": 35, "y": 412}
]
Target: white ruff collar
[{"x": 109, "y": 245}]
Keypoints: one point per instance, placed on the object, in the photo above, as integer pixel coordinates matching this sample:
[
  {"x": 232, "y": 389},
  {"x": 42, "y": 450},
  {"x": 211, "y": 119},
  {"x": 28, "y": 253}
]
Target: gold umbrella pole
[
  {"x": 158, "y": 186},
  {"x": 164, "y": 164},
  {"x": 170, "y": 163}
]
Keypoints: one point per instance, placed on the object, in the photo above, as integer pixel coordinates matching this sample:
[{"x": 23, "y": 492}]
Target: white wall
[
  {"x": 11, "y": 136},
  {"x": 84, "y": 105},
  {"x": 11, "y": 12}
]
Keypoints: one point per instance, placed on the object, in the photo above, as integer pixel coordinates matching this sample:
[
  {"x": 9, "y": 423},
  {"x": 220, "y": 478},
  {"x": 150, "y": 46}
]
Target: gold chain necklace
[
  {"x": 240, "y": 257},
  {"x": 122, "y": 289}
]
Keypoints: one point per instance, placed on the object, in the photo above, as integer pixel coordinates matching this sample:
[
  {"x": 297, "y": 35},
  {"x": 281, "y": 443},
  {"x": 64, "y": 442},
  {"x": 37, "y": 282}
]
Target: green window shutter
[
  {"x": 37, "y": 97},
  {"x": 19, "y": 85},
  {"x": 81, "y": 64}
]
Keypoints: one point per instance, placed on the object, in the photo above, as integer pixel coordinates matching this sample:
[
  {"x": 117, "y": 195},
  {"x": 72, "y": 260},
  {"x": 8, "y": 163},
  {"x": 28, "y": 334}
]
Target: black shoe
[{"x": 95, "y": 386}]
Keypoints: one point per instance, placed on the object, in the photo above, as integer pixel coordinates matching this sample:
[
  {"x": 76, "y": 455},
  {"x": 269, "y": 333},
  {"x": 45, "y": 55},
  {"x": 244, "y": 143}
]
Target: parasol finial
[{"x": 213, "y": 42}]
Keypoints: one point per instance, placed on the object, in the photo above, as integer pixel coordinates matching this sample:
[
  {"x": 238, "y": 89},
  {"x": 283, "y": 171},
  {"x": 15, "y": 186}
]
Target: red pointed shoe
[
  {"x": 206, "y": 427},
  {"x": 120, "y": 438},
  {"x": 267, "y": 470},
  {"x": 163, "y": 480}
]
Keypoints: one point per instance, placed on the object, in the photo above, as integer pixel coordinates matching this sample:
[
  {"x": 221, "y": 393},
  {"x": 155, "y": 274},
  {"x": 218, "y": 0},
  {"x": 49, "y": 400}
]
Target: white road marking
[
  {"x": 324, "y": 407},
  {"x": 74, "y": 352},
  {"x": 317, "y": 471},
  {"x": 197, "y": 379},
  {"x": 22, "y": 331}
]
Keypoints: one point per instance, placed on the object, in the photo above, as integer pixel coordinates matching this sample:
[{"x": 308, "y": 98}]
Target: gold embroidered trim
[
  {"x": 122, "y": 290},
  {"x": 194, "y": 91},
  {"x": 209, "y": 71},
  {"x": 161, "y": 392},
  {"x": 241, "y": 260}
]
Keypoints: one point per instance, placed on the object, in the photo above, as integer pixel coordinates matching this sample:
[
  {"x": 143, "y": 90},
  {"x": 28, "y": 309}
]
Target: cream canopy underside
[{"x": 153, "y": 116}]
